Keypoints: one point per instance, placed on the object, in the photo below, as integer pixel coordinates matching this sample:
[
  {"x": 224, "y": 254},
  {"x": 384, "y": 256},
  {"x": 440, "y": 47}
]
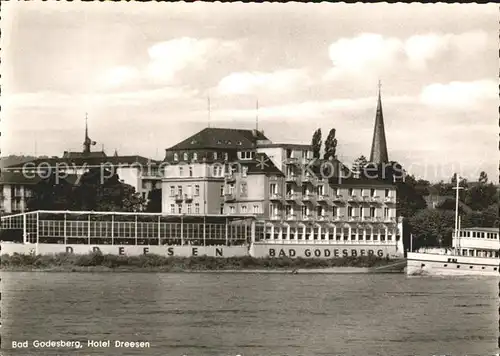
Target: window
[
  {"x": 222, "y": 191},
  {"x": 372, "y": 212},
  {"x": 185, "y": 156},
  {"x": 320, "y": 210},
  {"x": 197, "y": 208},
  {"x": 190, "y": 171},
  {"x": 225, "y": 156},
  {"x": 179, "y": 208},
  {"x": 387, "y": 193},
  {"x": 181, "y": 171},
  {"x": 231, "y": 209},
  {"x": 244, "y": 209},
  {"x": 189, "y": 208},
  {"x": 351, "y": 191},
  {"x": 215, "y": 155},
  {"x": 221, "y": 210},
  {"x": 335, "y": 211},
  {"x": 243, "y": 189},
  {"x": 256, "y": 209},
  {"x": 196, "y": 190},
  {"x": 335, "y": 192},
  {"x": 386, "y": 213},
  {"x": 361, "y": 212},
  {"x": 195, "y": 156},
  {"x": 321, "y": 190},
  {"x": 244, "y": 171},
  {"x": 176, "y": 157},
  {"x": 179, "y": 189},
  {"x": 372, "y": 192},
  {"x": 172, "y": 208},
  {"x": 172, "y": 190},
  {"x": 349, "y": 211}
]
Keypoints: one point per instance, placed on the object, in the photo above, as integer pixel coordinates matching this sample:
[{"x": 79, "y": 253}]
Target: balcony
[
  {"x": 324, "y": 199},
  {"x": 389, "y": 200},
  {"x": 229, "y": 177},
  {"x": 188, "y": 197},
  {"x": 338, "y": 198},
  {"x": 291, "y": 177},
  {"x": 354, "y": 218},
  {"x": 309, "y": 217},
  {"x": 179, "y": 197},
  {"x": 275, "y": 196},
  {"x": 293, "y": 196},
  {"x": 291, "y": 217},
  {"x": 275, "y": 217},
  {"x": 390, "y": 219},
  {"x": 353, "y": 198},
  {"x": 322, "y": 218},
  {"x": 229, "y": 197},
  {"x": 338, "y": 218}
]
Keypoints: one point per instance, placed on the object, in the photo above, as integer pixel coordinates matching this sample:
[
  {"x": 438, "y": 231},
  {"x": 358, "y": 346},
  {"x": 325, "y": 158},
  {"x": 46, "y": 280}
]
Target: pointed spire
[
  {"x": 86, "y": 142},
  {"x": 116, "y": 153},
  {"x": 379, "y": 145}
]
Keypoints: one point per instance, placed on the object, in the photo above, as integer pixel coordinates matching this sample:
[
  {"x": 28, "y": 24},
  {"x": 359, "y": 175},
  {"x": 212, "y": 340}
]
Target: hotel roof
[
  {"x": 84, "y": 161},
  {"x": 221, "y": 138}
]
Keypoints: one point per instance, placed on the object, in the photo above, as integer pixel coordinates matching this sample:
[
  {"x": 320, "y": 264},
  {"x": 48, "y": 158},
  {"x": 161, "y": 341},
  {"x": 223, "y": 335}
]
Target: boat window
[
  {"x": 445, "y": 265},
  {"x": 482, "y": 267},
  {"x": 458, "y": 266},
  {"x": 470, "y": 266},
  {"x": 422, "y": 265},
  {"x": 495, "y": 268}
]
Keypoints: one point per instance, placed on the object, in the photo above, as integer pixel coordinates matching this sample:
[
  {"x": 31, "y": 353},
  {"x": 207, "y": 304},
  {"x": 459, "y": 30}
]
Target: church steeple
[
  {"x": 87, "y": 141},
  {"x": 379, "y": 145}
]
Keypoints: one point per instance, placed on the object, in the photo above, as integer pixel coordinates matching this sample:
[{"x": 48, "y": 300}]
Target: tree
[
  {"x": 410, "y": 196},
  {"x": 359, "y": 165},
  {"x": 51, "y": 193},
  {"x": 154, "y": 201},
  {"x": 483, "y": 178},
  {"x": 316, "y": 143},
  {"x": 481, "y": 196},
  {"x": 433, "y": 228},
  {"x": 103, "y": 191},
  {"x": 330, "y": 146}
]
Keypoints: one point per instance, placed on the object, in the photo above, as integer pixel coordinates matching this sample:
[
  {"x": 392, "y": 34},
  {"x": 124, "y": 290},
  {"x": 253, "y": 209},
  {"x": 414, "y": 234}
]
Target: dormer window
[
  {"x": 228, "y": 142},
  {"x": 215, "y": 155},
  {"x": 219, "y": 142},
  {"x": 195, "y": 156},
  {"x": 176, "y": 157},
  {"x": 238, "y": 143},
  {"x": 185, "y": 156}
]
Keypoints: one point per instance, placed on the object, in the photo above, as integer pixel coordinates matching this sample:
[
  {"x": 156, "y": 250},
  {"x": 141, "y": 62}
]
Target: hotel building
[{"x": 296, "y": 198}]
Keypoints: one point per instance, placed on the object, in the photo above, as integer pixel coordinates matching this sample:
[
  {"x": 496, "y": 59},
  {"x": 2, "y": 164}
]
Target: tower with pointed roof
[
  {"x": 87, "y": 141},
  {"x": 378, "y": 152}
]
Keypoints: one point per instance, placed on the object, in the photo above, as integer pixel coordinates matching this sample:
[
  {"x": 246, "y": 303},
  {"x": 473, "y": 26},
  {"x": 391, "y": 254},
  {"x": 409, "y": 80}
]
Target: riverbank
[{"x": 96, "y": 262}]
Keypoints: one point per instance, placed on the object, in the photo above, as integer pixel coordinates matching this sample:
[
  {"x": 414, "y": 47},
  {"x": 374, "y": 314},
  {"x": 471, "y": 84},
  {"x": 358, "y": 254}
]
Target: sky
[{"x": 143, "y": 73}]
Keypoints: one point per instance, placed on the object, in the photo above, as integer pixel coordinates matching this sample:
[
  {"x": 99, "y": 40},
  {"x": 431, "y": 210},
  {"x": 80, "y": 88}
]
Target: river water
[{"x": 251, "y": 314}]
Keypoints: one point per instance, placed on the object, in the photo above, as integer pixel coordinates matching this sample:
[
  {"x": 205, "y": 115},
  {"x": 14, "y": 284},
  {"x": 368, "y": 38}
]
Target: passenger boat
[{"x": 474, "y": 252}]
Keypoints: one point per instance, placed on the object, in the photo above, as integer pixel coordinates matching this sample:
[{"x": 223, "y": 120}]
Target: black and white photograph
[{"x": 249, "y": 179}]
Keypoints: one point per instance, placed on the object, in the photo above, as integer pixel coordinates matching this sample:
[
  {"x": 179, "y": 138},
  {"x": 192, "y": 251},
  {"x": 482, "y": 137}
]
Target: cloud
[
  {"x": 169, "y": 57},
  {"x": 166, "y": 59},
  {"x": 459, "y": 95},
  {"x": 312, "y": 109},
  {"x": 256, "y": 82},
  {"x": 373, "y": 53},
  {"x": 117, "y": 76},
  {"x": 49, "y": 99},
  {"x": 365, "y": 50}
]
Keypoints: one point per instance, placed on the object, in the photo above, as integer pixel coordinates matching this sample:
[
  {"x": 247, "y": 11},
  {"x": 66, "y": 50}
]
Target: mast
[{"x": 456, "y": 233}]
